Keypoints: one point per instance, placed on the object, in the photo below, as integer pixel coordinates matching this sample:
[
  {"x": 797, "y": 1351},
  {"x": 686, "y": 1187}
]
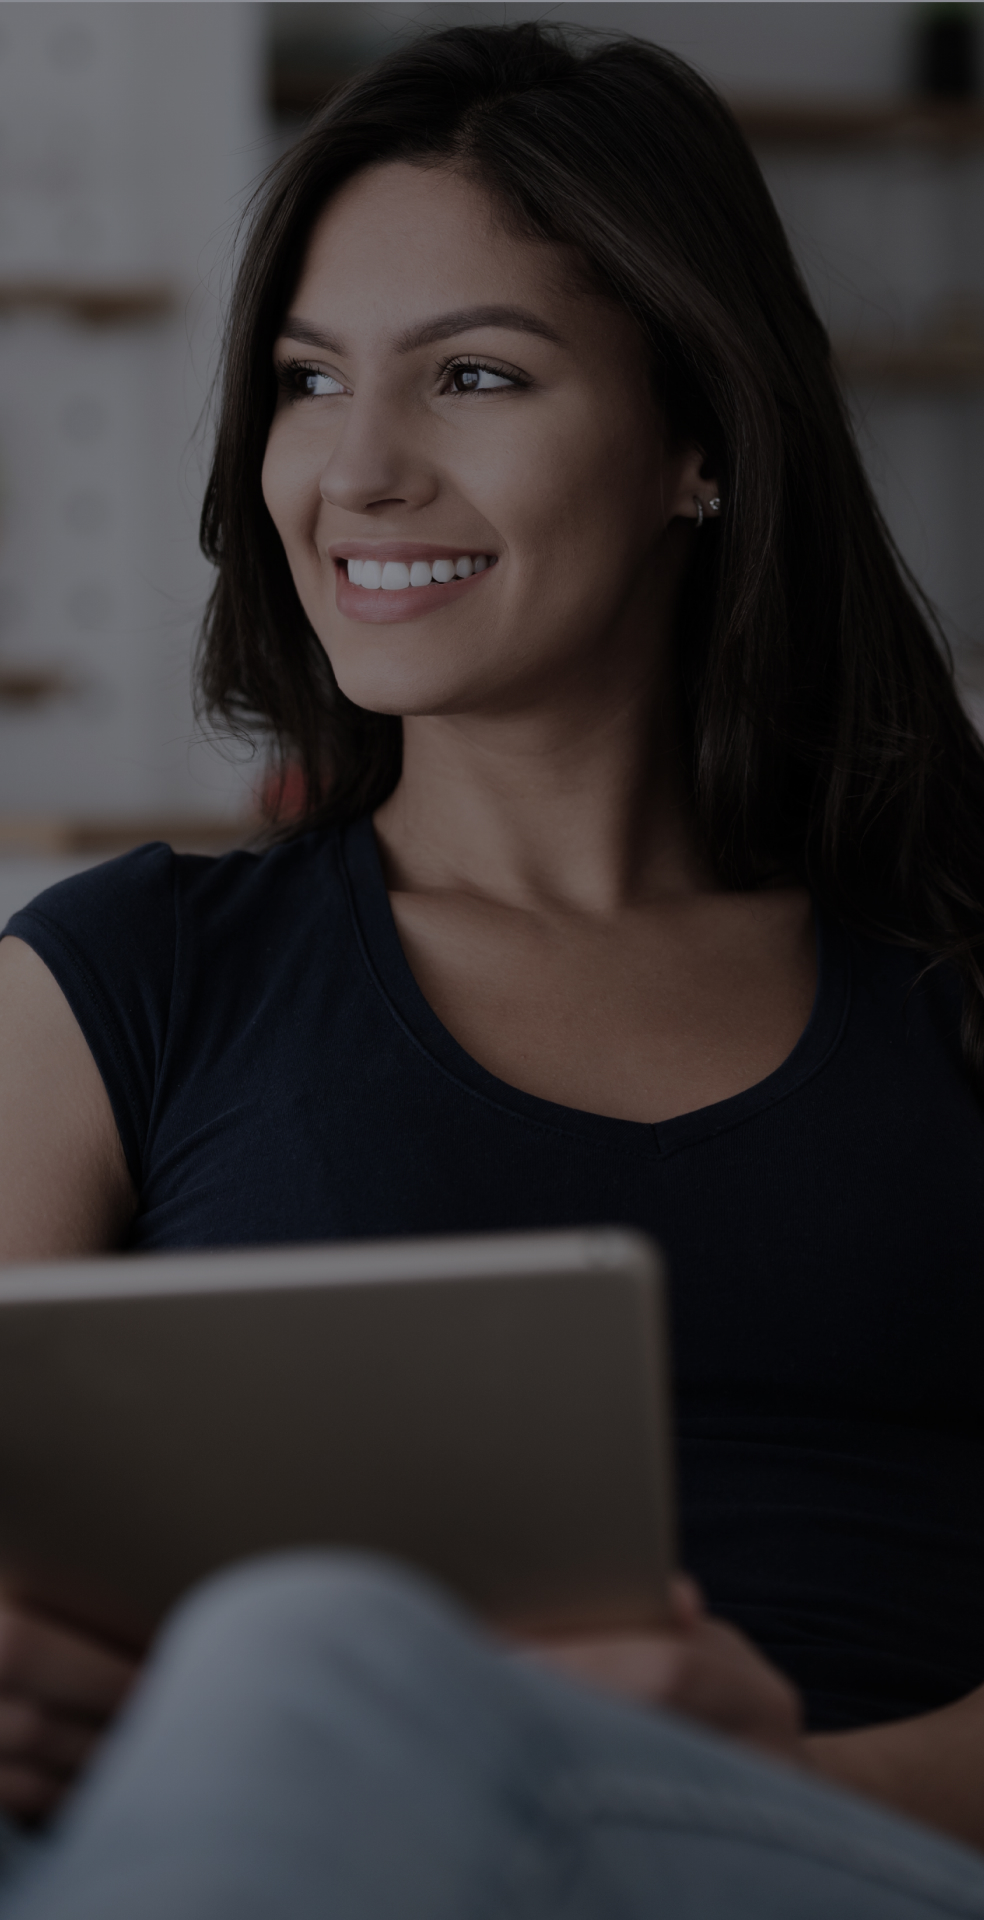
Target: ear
[{"x": 697, "y": 495}]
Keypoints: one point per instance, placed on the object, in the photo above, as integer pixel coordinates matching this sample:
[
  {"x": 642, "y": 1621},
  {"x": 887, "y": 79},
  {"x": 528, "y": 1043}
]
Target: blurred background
[{"x": 131, "y": 134}]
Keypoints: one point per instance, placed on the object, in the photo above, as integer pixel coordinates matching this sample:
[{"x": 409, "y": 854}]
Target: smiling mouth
[{"x": 394, "y": 576}]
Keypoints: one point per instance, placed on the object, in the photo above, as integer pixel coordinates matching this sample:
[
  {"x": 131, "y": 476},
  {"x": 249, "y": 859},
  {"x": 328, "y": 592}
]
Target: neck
[{"x": 581, "y": 803}]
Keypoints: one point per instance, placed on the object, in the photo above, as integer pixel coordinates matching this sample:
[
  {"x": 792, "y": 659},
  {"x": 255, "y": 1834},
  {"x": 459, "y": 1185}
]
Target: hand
[
  {"x": 58, "y": 1689},
  {"x": 695, "y": 1666}
]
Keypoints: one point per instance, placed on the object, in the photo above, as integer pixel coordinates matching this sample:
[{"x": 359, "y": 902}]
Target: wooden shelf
[
  {"x": 300, "y": 84},
  {"x": 829, "y": 125},
  {"x": 96, "y": 305},
  {"x": 55, "y": 834},
  {"x": 28, "y": 686},
  {"x": 911, "y": 366},
  {"x": 948, "y": 354}
]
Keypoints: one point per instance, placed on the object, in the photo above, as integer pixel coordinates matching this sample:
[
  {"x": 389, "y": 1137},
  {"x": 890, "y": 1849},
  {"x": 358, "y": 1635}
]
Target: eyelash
[
  {"x": 291, "y": 375},
  {"x": 468, "y": 363}
]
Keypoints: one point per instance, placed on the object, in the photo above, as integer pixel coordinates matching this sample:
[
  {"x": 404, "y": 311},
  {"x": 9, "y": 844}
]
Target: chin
[
  {"x": 402, "y": 688},
  {"x": 406, "y": 671}
]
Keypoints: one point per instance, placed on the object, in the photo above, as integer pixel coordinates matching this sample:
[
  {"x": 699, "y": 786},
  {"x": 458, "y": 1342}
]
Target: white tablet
[{"x": 493, "y": 1409}]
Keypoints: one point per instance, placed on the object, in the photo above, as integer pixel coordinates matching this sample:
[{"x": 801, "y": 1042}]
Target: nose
[{"x": 377, "y": 462}]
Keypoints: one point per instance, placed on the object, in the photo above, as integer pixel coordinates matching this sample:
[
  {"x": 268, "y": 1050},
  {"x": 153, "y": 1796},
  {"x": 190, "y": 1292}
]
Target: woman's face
[{"x": 453, "y": 403}]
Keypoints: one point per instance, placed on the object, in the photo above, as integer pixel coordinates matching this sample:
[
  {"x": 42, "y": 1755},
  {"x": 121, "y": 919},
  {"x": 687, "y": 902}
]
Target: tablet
[{"x": 492, "y": 1409}]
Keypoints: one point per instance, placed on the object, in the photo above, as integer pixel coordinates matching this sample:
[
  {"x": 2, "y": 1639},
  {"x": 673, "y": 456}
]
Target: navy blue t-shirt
[{"x": 277, "y": 1076}]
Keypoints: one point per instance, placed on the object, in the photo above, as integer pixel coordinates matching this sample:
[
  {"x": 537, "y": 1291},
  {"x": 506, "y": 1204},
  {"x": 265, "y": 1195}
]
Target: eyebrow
[
  {"x": 466, "y": 319},
  {"x": 444, "y": 327}
]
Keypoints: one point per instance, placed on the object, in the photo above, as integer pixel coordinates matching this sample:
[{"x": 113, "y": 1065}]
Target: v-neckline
[{"x": 386, "y": 961}]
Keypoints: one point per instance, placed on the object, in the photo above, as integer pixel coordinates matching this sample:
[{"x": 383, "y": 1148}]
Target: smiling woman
[
  {"x": 641, "y": 880},
  {"x": 480, "y": 432}
]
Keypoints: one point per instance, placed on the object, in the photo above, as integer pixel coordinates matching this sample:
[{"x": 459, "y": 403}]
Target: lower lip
[{"x": 407, "y": 603}]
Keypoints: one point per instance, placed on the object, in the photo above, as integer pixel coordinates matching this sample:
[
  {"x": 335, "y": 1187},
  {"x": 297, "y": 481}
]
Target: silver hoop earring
[
  {"x": 698, "y": 503},
  {"x": 715, "y": 505}
]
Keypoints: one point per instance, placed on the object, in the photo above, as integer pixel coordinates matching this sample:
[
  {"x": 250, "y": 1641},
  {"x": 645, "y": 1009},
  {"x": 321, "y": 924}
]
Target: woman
[{"x": 642, "y": 879}]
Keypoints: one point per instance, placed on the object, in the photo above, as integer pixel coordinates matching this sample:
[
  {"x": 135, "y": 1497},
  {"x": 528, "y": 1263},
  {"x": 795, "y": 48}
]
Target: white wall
[{"x": 127, "y": 134}]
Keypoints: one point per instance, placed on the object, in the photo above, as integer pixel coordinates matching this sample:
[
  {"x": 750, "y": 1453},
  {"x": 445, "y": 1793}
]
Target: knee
[{"x": 313, "y": 1602}]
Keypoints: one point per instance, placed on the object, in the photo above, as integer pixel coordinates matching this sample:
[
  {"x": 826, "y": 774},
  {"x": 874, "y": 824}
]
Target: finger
[
  {"x": 721, "y": 1679},
  {"x": 640, "y": 1667},
  {"x": 28, "y": 1792},
  {"x": 687, "y": 1604},
  {"x": 30, "y": 1736},
  {"x": 58, "y": 1666}
]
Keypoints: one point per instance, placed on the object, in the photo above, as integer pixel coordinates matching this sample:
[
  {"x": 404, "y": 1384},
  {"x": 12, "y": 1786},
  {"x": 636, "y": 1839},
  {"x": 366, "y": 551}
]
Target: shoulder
[
  {"x": 912, "y": 999},
  {"x": 106, "y": 921},
  {"x": 897, "y": 969},
  {"x": 234, "y": 907},
  {"x": 140, "y": 943},
  {"x": 134, "y": 907},
  {"x": 122, "y": 938},
  {"x": 141, "y": 879}
]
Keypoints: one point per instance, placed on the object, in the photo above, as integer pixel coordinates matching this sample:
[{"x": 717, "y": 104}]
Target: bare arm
[
  {"x": 929, "y": 1767},
  {"x": 64, "y": 1184},
  {"x": 64, "y": 1190}
]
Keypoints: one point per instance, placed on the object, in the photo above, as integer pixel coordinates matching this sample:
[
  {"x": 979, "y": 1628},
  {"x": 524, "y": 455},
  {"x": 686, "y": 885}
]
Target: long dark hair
[{"x": 827, "y": 742}]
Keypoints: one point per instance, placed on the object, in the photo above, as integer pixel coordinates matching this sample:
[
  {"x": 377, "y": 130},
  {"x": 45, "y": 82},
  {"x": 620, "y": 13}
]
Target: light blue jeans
[{"x": 321, "y": 1737}]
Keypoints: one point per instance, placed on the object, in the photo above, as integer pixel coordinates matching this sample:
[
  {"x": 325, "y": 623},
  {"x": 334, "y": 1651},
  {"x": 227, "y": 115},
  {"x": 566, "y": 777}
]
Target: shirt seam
[{"x": 152, "y": 1109}]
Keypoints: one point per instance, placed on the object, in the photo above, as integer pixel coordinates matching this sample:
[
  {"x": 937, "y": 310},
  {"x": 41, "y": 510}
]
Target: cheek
[
  {"x": 290, "y": 477},
  {"x": 586, "y": 478}
]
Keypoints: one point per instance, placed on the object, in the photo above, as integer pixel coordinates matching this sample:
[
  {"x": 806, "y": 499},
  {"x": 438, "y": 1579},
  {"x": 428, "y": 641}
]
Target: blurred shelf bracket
[
  {"x": 35, "y": 834},
  {"x": 940, "y": 125},
  {"x": 301, "y": 80},
  {"x": 26, "y": 686},
  {"x": 948, "y": 353},
  {"x": 93, "y": 304}
]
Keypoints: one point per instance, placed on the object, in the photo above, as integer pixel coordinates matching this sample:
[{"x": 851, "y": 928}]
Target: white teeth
[{"x": 394, "y": 575}]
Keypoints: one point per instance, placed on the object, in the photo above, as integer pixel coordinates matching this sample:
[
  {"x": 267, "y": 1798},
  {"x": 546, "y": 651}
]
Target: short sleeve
[{"x": 108, "y": 937}]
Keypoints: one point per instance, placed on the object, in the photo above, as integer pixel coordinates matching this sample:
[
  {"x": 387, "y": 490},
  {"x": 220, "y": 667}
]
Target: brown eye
[
  {"x": 317, "y": 384},
  {"x": 307, "y": 382},
  {"x": 478, "y": 379}
]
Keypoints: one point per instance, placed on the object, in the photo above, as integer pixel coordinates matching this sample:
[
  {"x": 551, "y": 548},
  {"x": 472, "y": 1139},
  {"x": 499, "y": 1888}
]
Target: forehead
[{"x": 400, "y": 239}]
